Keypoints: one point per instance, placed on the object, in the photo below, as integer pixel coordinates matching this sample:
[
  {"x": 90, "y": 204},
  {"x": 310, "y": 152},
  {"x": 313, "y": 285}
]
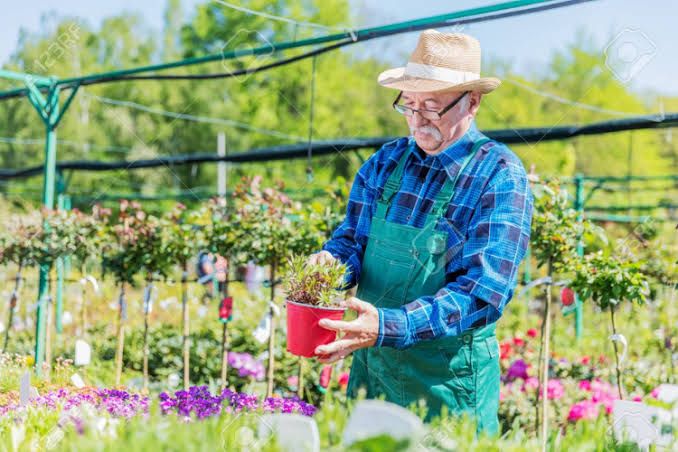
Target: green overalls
[{"x": 400, "y": 264}]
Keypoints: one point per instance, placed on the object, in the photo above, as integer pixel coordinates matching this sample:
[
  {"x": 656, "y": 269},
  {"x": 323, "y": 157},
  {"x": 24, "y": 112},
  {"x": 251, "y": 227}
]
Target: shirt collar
[{"x": 452, "y": 156}]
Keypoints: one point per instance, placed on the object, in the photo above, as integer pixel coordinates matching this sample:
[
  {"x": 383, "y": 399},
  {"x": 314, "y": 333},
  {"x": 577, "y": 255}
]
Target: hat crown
[{"x": 448, "y": 50}]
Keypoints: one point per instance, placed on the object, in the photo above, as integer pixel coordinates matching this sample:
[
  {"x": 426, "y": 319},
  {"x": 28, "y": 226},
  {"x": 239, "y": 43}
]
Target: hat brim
[{"x": 397, "y": 79}]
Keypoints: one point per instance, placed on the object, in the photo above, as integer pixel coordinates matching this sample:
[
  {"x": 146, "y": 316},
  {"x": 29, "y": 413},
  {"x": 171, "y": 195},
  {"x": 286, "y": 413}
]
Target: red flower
[
  {"x": 586, "y": 359},
  {"x": 343, "y": 380},
  {"x": 532, "y": 332},
  {"x": 504, "y": 350},
  {"x": 567, "y": 296},
  {"x": 518, "y": 342}
]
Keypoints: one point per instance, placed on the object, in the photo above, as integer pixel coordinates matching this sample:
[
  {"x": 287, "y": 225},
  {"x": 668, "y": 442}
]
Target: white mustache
[{"x": 429, "y": 130}]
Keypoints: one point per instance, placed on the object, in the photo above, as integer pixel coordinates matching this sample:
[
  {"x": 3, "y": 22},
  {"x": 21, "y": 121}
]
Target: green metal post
[
  {"x": 48, "y": 202},
  {"x": 67, "y": 206},
  {"x": 579, "y": 207},
  {"x": 60, "y": 264},
  {"x": 49, "y": 112},
  {"x": 527, "y": 276}
]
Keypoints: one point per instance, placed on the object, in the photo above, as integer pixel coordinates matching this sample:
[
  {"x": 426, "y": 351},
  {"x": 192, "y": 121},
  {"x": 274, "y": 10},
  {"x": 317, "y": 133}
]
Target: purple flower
[
  {"x": 518, "y": 369},
  {"x": 246, "y": 365},
  {"x": 198, "y": 402}
]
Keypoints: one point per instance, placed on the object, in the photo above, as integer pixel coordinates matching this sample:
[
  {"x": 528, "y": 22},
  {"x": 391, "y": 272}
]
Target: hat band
[{"x": 430, "y": 72}]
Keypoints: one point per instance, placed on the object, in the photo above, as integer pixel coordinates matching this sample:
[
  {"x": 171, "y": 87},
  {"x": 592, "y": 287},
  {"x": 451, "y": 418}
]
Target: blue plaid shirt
[{"x": 490, "y": 214}]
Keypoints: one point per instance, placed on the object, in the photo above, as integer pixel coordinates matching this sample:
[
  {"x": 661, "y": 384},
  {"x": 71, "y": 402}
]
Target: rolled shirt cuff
[{"x": 393, "y": 329}]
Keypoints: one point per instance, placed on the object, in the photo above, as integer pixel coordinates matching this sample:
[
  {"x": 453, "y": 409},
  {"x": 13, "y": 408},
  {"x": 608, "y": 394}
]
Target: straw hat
[{"x": 441, "y": 62}]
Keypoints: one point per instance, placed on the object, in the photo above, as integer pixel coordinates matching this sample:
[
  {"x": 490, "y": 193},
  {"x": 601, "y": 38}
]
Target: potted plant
[{"x": 312, "y": 294}]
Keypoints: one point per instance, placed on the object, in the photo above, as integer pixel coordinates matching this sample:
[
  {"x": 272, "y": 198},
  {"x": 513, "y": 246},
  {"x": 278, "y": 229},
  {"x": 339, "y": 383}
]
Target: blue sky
[{"x": 527, "y": 41}]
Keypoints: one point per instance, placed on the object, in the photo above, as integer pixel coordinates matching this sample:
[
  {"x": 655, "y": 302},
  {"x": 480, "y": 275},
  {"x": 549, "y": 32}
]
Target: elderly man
[{"x": 436, "y": 227}]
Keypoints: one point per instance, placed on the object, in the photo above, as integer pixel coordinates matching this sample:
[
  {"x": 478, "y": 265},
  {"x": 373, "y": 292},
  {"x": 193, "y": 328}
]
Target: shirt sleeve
[
  {"x": 499, "y": 233},
  {"x": 350, "y": 238}
]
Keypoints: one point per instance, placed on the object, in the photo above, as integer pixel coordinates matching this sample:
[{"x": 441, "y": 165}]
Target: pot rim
[{"x": 320, "y": 308}]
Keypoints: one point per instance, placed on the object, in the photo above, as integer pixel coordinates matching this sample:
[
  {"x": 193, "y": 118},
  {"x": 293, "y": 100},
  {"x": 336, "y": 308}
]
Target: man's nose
[{"x": 418, "y": 120}]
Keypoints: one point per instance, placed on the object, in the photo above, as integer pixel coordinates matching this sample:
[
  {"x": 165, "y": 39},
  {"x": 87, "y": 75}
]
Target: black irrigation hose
[{"x": 300, "y": 150}]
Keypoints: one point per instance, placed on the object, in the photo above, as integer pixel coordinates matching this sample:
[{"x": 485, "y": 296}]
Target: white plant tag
[
  {"x": 77, "y": 381},
  {"x": 263, "y": 330},
  {"x": 25, "y": 389},
  {"x": 372, "y": 418},
  {"x": 642, "y": 424},
  {"x": 293, "y": 432},
  {"x": 83, "y": 353}
]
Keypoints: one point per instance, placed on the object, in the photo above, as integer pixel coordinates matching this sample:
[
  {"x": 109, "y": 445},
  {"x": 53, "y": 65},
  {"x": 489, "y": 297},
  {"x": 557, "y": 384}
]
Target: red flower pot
[{"x": 303, "y": 332}]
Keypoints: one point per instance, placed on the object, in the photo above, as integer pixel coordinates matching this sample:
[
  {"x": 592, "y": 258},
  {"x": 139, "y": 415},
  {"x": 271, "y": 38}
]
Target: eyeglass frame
[{"x": 440, "y": 113}]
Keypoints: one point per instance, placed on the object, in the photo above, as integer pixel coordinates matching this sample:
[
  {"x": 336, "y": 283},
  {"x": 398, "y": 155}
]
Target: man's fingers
[
  {"x": 356, "y": 304},
  {"x": 321, "y": 258},
  {"x": 333, "y": 358},
  {"x": 341, "y": 325},
  {"x": 340, "y": 346}
]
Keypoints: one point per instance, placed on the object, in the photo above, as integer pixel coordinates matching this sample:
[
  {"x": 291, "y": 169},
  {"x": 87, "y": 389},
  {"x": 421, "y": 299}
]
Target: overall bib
[{"x": 400, "y": 264}]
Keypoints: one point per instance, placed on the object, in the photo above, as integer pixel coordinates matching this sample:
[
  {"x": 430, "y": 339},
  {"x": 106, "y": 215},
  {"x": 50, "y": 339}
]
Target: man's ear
[{"x": 474, "y": 102}]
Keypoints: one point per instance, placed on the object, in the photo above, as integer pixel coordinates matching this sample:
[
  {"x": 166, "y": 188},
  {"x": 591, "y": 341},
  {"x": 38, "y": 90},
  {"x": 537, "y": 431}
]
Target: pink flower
[
  {"x": 637, "y": 398},
  {"x": 293, "y": 381},
  {"x": 518, "y": 342},
  {"x": 325, "y": 376},
  {"x": 585, "y": 385},
  {"x": 554, "y": 389},
  {"x": 585, "y": 360},
  {"x": 585, "y": 409},
  {"x": 531, "y": 384},
  {"x": 655, "y": 393},
  {"x": 532, "y": 332}
]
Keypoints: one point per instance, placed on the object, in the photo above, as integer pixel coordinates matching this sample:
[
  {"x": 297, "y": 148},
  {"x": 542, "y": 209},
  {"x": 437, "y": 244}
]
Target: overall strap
[
  {"x": 392, "y": 186},
  {"x": 446, "y": 193}
]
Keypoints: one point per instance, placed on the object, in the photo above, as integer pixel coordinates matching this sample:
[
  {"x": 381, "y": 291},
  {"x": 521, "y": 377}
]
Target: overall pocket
[{"x": 385, "y": 281}]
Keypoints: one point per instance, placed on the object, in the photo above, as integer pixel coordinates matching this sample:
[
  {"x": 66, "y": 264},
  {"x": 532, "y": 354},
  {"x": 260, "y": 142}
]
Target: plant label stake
[
  {"x": 263, "y": 329},
  {"x": 25, "y": 389},
  {"x": 292, "y": 431},
  {"x": 225, "y": 315},
  {"x": 642, "y": 424},
  {"x": 372, "y": 418},
  {"x": 77, "y": 381},
  {"x": 83, "y": 353}
]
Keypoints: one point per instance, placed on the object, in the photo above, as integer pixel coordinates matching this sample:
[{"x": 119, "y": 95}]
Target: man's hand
[
  {"x": 322, "y": 258},
  {"x": 359, "y": 333}
]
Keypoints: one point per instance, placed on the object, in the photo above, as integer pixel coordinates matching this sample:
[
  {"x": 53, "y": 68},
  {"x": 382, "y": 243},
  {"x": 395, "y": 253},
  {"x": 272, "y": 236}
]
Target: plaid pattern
[{"x": 488, "y": 225}]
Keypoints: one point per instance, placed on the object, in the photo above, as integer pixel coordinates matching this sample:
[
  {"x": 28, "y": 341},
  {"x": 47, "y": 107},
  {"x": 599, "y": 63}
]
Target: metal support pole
[
  {"x": 51, "y": 109},
  {"x": 579, "y": 207},
  {"x": 60, "y": 261},
  {"x": 222, "y": 178},
  {"x": 527, "y": 276}
]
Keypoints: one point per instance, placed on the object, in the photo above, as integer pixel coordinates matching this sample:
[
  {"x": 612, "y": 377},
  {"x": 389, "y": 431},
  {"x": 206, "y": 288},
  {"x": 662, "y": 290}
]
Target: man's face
[{"x": 433, "y": 136}]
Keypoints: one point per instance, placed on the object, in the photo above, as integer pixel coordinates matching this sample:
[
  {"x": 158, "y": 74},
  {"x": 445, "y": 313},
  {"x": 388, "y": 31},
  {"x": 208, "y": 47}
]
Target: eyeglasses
[{"x": 426, "y": 114}]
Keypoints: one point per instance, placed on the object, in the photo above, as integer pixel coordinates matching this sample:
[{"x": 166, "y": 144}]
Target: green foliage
[
  {"x": 609, "y": 280},
  {"x": 273, "y": 227},
  {"x": 314, "y": 284},
  {"x": 555, "y": 229},
  {"x": 180, "y": 235},
  {"x": 135, "y": 245}
]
